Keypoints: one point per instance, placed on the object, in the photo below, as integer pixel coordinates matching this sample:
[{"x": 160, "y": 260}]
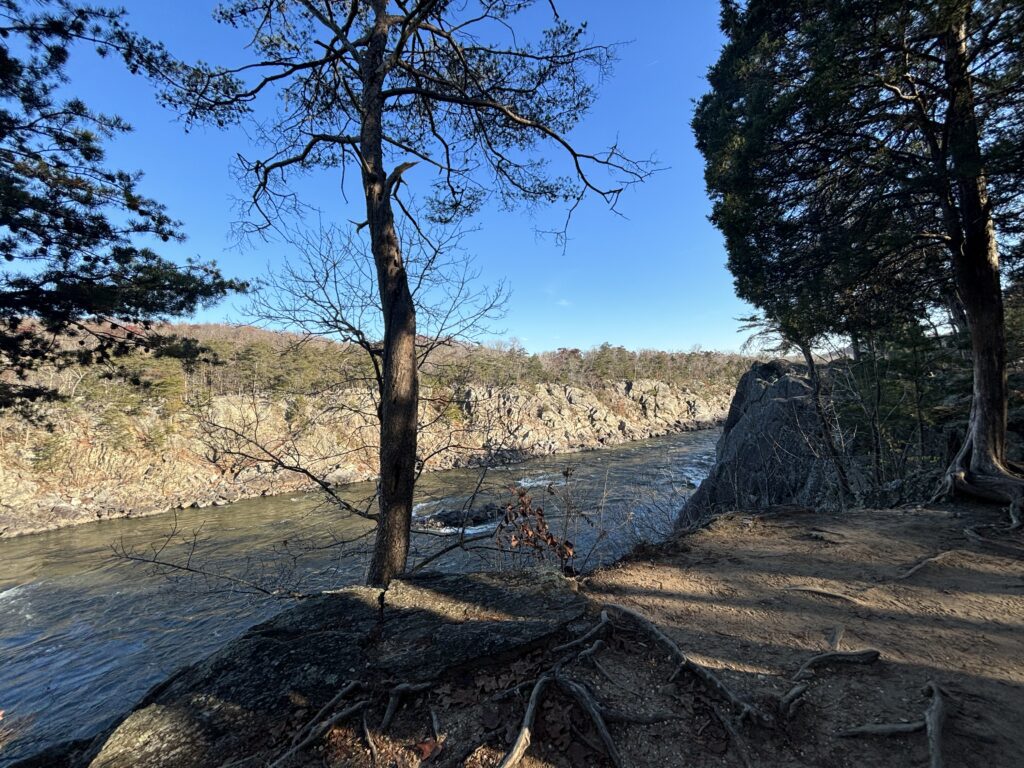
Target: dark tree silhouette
[
  {"x": 865, "y": 161},
  {"x": 70, "y": 226}
]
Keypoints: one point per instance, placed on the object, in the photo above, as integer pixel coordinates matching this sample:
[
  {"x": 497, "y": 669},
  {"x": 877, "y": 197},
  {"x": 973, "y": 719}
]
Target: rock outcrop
[
  {"x": 769, "y": 452},
  {"x": 234, "y": 703},
  {"x": 79, "y": 464}
]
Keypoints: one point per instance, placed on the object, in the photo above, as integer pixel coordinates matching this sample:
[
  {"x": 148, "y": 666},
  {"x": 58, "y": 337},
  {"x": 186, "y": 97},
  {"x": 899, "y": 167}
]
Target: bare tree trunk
[
  {"x": 399, "y": 396},
  {"x": 976, "y": 268}
]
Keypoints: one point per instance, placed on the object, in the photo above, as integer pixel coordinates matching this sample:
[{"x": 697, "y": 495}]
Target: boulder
[
  {"x": 480, "y": 514},
  {"x": 765, "y": 456}
]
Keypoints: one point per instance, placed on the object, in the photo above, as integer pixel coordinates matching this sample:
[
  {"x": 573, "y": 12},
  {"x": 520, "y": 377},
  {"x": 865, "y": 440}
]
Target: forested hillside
[{"x": 240, "y": 412}]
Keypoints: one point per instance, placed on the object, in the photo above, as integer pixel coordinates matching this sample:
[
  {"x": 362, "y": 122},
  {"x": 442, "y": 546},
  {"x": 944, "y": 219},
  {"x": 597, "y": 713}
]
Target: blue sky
[{"x": 654, "y": 277}]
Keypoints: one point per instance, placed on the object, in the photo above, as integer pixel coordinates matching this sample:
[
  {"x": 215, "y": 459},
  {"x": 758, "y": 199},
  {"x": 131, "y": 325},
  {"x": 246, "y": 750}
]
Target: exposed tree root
[
  {"x": 589, "y": 705},
  {"x": 996, "y": 482},
  {"x": 326, "y": 709},
  {"x": 934, "y": 717},
  {"x": 791, "y": 700},
  {"x": 997, "y": 546},
  {"x": 396, "y": 698},
  {"x": 582, "y": 639},
  {"x": 825, "y": 593},
  {"x": 738, "y": 741},
  {"x": 922, "y": 563},
  {"x": 702, "y": 673},
  {"x": 837, "y": 637},
  {"x": 522, "y": 742},
  {"x": 374, "y": 756},
  {"x": 319, "y": 730},
  {"x": 883, "y": 729},
  {"x": 865, "y": 656}
]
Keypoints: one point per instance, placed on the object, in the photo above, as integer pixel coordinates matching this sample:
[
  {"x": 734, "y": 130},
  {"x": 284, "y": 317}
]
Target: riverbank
[
  {"x": 917, "y": 618},
  {"x": 68, "y": 466}
]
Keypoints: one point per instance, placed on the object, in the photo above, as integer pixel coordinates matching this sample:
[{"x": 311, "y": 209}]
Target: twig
[
  {"x": 374, "y": 756},
  {"x": 522, "y": 742},
  {"x": 702, "y": 673},
  {"x": 341, "y": 694},
  {"x": 922, "y": 563},
  {"x": 865, "y": 656}
]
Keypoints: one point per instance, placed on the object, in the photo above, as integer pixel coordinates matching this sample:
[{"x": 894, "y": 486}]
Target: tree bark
[
  {"x": 975, "y": 256},
  {"x": 399, "y": 395}
]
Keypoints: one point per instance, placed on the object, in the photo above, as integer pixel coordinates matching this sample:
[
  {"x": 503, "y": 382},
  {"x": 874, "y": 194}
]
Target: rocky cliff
[{"x": 67, "y": 465}]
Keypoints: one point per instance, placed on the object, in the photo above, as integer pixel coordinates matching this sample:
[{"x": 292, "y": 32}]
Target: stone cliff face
[
  {"x": 77, "y": 465},
  {"x": 769, "y": 452}
]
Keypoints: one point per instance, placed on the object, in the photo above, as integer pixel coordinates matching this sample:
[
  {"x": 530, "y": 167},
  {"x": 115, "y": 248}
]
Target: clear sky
[{"x": 654, "y": 277}]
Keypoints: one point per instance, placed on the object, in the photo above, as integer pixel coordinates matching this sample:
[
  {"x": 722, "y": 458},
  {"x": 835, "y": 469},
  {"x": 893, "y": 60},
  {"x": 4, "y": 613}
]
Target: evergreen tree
[
  {"x": 71, "y": 227},
  {"x": 864, "y": 157}
]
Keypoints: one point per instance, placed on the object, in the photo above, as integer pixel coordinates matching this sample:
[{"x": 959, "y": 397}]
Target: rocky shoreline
[{"x": 83, "y": 468}]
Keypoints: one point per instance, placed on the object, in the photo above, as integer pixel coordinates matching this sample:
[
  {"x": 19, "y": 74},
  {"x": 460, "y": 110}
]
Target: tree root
[
  {"x": 865, "y": 656},
  {"x": 374, "y": 756},
  {"x": 522, "y": 742},
  {"x": 395, "y": 699},
  {"x": 738, "y": 741},
  {"x": 922, "y": 563},
  {"x": 998, "y": 484},
  {"x": 593, "y": 709},
  {"x": 582, "y": 639},
  {"x": 825, "y": 593},
  {"x": 791, "y": 700},
  {"x": 934, "y": 717},
  {"x": 1004, "y": 549},
  {"x": 325, "y": 709},
  {"x": 702, "y": 673},
  {"x": 837, "y": 637},
  {"x": 883, "y": 729},
  {"x": 319, "y": 730}
]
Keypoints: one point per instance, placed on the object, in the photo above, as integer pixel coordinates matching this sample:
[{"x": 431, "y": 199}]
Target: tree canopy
[
  {"x": 75, "y": 234},
  {"x": 864, "y": 159}
]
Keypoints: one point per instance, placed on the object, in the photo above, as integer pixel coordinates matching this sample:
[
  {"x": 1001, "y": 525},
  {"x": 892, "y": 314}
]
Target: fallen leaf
[{"x": 428, "y": 749}]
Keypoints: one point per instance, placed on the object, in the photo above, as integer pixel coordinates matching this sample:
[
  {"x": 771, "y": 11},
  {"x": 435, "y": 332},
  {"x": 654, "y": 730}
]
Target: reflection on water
[{"x": 84, "y": 635}]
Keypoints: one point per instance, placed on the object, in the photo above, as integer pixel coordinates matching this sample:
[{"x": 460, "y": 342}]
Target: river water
[{"x": 84, "y": 634}]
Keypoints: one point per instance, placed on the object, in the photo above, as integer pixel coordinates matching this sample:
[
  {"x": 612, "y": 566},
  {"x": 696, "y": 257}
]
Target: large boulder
[{"x": 769, "y": 453}]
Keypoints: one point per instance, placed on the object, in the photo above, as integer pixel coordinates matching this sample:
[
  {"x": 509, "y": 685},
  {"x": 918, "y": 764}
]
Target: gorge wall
[{"x": 63, "y": 465}]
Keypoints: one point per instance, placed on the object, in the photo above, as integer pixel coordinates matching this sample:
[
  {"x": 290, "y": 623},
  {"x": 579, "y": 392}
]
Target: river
[{"x": 84, "y": 634}]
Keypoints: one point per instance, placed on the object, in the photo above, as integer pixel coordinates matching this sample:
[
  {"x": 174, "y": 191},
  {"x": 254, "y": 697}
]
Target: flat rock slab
[{"x": 232, "y": 704}]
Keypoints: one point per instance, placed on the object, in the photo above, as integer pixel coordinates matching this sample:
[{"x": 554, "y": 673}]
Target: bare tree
[
  {"x": 324, "y": 292},
  {"x": 381, "y": 86}
]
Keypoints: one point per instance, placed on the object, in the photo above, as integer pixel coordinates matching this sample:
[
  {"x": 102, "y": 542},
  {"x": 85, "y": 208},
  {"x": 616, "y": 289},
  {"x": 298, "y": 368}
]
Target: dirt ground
[{"x": 752, "y": 598}]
